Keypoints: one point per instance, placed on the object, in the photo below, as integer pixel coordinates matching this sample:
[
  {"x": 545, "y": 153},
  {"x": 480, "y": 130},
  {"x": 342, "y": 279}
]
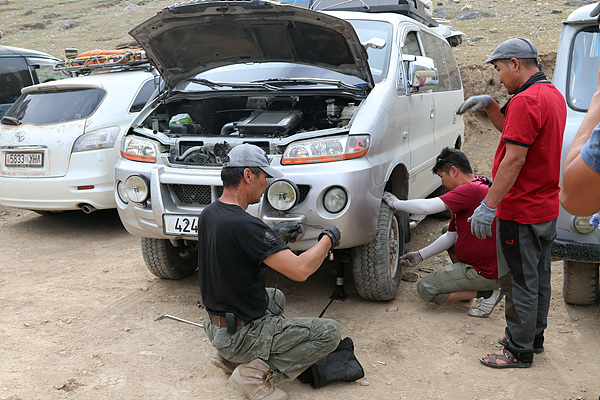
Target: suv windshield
[
  {"x": 52, "y": 107},
  {"x": 585, "y": 61}
]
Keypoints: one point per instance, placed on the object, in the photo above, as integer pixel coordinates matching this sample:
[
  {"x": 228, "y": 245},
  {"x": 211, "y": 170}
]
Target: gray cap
[
  {"x": 249, "y": 155},
  {"x": 595, "y": 11},
  {"x": 518, "y": 48}
]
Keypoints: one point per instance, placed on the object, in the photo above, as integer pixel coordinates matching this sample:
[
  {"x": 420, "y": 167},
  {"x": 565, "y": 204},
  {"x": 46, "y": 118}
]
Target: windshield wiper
[
  {"x": 307, "y": 81},
  {"x": 13, "y": 121},
  {"x": 235, "y": 85}
]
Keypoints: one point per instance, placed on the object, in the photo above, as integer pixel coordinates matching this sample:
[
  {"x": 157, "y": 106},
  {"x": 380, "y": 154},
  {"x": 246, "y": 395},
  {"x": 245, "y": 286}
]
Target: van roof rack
[
  {"x": 121, "y": 58},
  {"x": 414, "y": 9}
]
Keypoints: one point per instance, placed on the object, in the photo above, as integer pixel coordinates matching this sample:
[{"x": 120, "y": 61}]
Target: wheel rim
[{"x": 394, "y": 243}]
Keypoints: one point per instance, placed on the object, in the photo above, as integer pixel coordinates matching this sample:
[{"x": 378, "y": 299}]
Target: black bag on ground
[{"x": 339, "y": 365}]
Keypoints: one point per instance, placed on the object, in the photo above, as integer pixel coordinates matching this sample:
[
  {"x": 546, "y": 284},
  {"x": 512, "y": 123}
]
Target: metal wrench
[{"x": 178, "y": 319}]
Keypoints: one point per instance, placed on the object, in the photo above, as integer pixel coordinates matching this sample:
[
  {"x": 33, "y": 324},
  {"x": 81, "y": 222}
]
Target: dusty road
[{"x": 78, "y": 309}]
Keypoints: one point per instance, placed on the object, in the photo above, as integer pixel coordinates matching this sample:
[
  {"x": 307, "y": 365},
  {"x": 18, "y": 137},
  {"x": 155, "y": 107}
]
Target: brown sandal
[
  {"x": 507, "y": 357},
  {"x": 504, "y": 342}
]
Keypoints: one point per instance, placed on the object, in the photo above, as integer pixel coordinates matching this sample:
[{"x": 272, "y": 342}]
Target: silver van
[{"x": 346, "y": 104}]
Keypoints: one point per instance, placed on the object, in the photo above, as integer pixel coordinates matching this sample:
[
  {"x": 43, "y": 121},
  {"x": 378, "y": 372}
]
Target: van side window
[
  {"x": 585, "y": 60},
  {"x": 43, "y": 70},
  {"x": 441, "y": 53}
]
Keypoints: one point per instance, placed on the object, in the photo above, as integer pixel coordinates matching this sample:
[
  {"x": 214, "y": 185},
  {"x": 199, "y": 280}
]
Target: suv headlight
[
  {"x": 139, "y": 149},
  {"x": 582, "y": 224},
  {"x": 99, "y": 139},
  {"x": 334, "y": 148}
]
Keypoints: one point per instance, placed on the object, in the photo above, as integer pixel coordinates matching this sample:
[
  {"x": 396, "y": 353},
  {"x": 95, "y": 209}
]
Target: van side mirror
[
  {"x": 422, "y": 73},
  {"x": 375, "y": 43}
]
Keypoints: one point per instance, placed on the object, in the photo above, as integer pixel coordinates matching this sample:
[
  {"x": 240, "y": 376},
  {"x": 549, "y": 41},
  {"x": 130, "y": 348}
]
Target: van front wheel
[
  {"x": 580, "y": 282},
  {"x": 376, "y": 267},
  {"x": 167, "y": 261}
]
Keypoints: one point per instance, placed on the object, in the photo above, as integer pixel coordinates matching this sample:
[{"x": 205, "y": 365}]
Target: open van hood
[{"x": 187, "y": 39}]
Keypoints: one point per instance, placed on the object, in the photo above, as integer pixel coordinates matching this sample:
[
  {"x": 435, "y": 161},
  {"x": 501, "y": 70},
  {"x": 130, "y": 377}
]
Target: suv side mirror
[{"x": 422, "y": 73}]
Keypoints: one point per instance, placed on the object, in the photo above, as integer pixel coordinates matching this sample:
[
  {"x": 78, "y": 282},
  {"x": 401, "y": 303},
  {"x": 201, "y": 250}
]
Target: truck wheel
[
  {"x": 167, "y": 261},
  {"x": 377, "y": 271},
  {"x": 580, "y": 282}
]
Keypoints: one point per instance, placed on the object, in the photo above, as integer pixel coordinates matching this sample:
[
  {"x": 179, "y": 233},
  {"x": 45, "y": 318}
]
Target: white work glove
[
  {"x": 391, "y": 200},
  {"x": 411, "y": 259},
  {"x": 481, "y": 221},
  {"x": 475, "y": 103}
]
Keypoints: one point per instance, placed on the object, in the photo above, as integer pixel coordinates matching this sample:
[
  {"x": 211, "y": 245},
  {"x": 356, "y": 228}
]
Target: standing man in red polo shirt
[{"x": 524, "y": 196}]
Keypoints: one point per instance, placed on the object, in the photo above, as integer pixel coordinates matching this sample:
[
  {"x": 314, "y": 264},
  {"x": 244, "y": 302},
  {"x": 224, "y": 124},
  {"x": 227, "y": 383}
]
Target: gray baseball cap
[
  {"x": 518, "y": 48},
  {"x": 595, "y": 11},
  {"x": 249, "y": 155}
]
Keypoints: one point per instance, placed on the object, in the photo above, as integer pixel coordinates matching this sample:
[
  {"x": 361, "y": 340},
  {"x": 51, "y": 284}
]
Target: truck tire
[
  {"x": 580, "y": 282},
  {"x": 166, "y": 261},
  {"x": 376, "y": 267}
]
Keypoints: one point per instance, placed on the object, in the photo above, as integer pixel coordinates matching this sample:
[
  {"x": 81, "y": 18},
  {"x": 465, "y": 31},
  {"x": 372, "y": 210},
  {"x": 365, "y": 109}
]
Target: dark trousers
[{"x": 524, "y": 263}]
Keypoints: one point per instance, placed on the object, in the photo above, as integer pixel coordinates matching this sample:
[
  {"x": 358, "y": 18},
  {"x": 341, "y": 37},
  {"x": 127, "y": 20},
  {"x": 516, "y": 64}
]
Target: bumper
[
  {"x": 357, "y": 221},
  {"x": 575, "y": 251},
  {"x": 66, "y": 192}
]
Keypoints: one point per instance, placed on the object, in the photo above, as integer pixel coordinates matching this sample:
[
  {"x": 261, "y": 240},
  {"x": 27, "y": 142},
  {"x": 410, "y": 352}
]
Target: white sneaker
[{"x": 486, "y": 306}]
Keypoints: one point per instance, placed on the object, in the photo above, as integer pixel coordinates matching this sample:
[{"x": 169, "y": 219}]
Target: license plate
[
  {"x": 184, "y": 225},
  {"x": 24, "y": 160}
]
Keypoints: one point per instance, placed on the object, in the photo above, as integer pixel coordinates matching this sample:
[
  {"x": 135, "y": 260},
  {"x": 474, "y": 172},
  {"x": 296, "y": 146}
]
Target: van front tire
[
  {"x": 376, "y": 267},
  {"x": 580, "y": 282},
  {"x": 166, "y": 261}
]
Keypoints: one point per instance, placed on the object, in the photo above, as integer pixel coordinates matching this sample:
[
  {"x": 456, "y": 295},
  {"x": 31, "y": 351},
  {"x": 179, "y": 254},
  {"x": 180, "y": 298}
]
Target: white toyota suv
[{"x": 346, "y": 104}]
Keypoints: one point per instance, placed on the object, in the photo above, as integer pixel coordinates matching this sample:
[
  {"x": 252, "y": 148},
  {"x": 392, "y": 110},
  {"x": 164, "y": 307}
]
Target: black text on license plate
[
  {"x": 24, "y": 159},
  {"x": 186, "y": 225}
]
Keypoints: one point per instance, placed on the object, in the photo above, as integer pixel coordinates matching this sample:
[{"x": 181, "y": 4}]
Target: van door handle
[
  {"x": 432, "y": 112},
  {"x": 404, "y": 134}
]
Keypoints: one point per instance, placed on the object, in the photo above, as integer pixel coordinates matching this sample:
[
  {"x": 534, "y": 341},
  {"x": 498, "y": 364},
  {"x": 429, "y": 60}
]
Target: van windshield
[
  {"x": 583, "y": 72},
  {"x": 53, "y": 107}
]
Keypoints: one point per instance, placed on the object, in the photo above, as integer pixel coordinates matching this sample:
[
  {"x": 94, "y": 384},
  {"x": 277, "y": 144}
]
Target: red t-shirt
[
  {"x": 481, "y": 254},
  {"x": 534, "y": 118}
]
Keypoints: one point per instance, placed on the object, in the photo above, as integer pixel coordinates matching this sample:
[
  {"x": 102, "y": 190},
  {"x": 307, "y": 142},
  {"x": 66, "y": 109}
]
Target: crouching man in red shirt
[{"x": 475, "y": 272}]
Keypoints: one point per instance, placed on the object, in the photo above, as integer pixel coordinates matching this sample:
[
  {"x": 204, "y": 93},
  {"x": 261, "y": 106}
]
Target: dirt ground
[{"x": 78, "y": 308}]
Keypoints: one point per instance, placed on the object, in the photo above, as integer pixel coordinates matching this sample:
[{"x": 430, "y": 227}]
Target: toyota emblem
[{"x": 19, "y": 136}]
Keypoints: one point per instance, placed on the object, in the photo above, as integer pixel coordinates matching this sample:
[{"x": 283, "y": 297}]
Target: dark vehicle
[{"x": 23, "y": 67}]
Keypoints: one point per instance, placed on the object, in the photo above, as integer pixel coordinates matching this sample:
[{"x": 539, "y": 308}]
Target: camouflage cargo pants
[{"x": 288, "y": 345}]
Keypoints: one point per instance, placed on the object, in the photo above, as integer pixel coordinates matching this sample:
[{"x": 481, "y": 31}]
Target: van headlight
[
  {"x": 335, "y": 199},
  {"x": 282, "y": 195},
  {"x": 333, "y": 148},
  {"x": 582, "y": 224},
  {"x": 136, "y": 188},
  {"x": 139, "y": 149}
]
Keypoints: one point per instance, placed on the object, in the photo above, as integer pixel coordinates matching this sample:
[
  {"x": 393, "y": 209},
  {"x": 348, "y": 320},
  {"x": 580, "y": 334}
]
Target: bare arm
[
  {"x": 580, "y": 191},
  {"x": 507, "y": 173},
  {"x": 497, "y": 118},
  {"x": 300, "y": 267}
]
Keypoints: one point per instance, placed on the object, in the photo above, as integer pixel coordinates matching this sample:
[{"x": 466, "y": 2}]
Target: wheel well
[
  {"x": 398, "y": 182},
  {"x": 458, "y": 143}
]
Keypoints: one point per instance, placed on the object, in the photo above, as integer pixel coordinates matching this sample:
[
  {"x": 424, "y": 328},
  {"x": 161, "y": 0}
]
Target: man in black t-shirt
[{"x": 244, "y": 321}]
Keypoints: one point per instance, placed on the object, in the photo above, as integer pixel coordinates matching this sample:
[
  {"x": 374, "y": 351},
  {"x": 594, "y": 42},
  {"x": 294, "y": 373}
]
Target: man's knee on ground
[{"x": 424, "y": 291}]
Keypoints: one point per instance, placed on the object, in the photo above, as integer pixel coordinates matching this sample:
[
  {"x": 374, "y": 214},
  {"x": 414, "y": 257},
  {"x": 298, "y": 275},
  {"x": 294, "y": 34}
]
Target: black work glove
[
  {"x": 288, "y": 231},
  {"x": 334, "y": 234}
]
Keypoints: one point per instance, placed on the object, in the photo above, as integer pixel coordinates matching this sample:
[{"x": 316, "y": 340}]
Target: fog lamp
[
  {"x": 282, "y": 195},
  {"x": 122, "y": 192},
  {"x": 136, "y": 188},
  {"x": 335, "y": 199},
  {"x": 582, "y": 225}
]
